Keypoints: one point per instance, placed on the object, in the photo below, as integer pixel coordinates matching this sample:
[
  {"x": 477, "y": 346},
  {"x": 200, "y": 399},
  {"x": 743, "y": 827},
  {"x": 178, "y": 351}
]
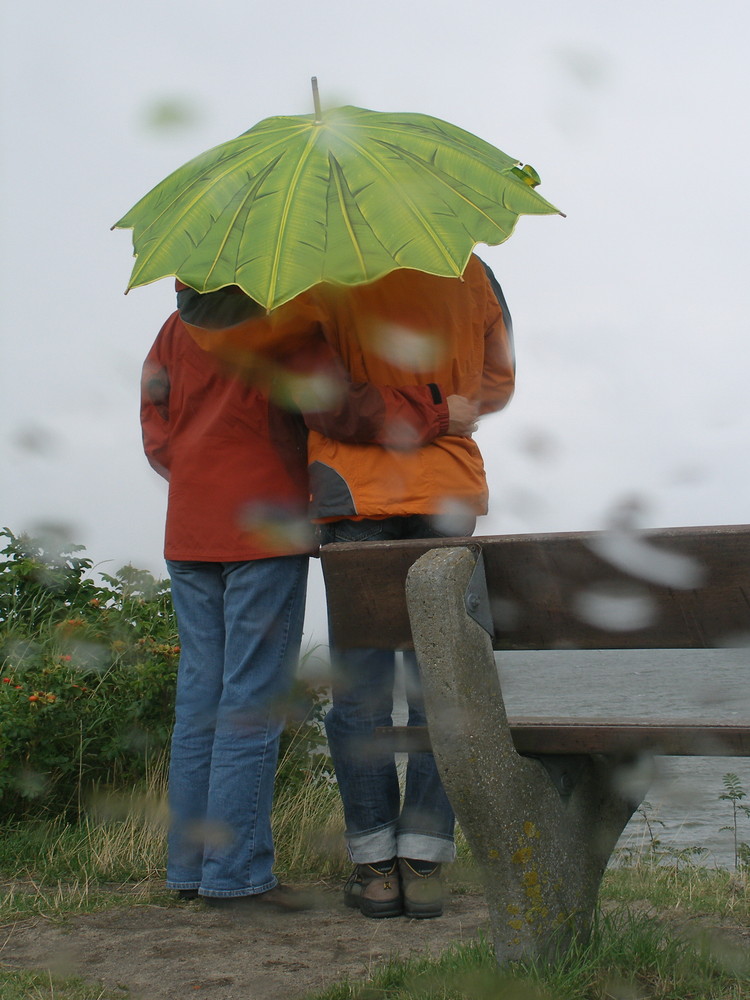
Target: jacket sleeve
[
  {"x": 287, "y": 356},
  {"x": 499, "y": 372},
  {"x": 401, "y": 418},
  {"x": 155, "y": 407}
]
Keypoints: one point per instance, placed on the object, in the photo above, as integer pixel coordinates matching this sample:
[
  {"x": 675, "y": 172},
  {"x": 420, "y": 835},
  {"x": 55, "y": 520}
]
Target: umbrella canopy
[{"x": 343, "y": 196}]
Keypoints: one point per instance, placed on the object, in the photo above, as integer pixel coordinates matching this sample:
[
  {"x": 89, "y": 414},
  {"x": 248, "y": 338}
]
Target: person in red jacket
[{"x": 237, "y": 541}]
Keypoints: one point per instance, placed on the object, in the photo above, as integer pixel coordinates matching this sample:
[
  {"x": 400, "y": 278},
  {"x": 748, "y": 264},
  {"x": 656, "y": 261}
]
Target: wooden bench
[{"x": 542, "y": 827}]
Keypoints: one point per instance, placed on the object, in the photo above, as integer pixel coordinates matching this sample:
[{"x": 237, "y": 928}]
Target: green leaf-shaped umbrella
[{"x": 342, "y": 196}]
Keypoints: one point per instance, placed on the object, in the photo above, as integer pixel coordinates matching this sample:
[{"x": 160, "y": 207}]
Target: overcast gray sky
[{"x": 631, "y": 315}]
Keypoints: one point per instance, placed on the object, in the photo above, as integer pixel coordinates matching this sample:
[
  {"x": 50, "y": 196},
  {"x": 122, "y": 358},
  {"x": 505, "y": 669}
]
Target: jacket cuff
[{"x": 443, "y": 418}]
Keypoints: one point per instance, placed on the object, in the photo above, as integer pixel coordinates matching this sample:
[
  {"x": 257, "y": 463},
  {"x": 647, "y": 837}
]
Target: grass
[
  {"x": 45, "y": 986},
  {"x": 308, "y": 823},
  {"x": 690, "y": 889},
  {"x": 642, "y": 946},
  {"x": 639, "y": 949},
  {"x": 116, "y": 853},
  {"x": 629, "y": 957},
  {"x": 632, "y": 955}
]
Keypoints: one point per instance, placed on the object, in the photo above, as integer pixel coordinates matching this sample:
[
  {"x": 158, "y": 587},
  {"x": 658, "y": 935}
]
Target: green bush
[
  {"x": 87, "y": 680},
  {"x": 88, "y": 674}
]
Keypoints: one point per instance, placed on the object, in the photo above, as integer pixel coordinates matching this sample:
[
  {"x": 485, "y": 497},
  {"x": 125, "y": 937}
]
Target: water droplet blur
[
  {"x": 89, "y": 655},
  {"x": 278, "y": 529},
  {"x": 171, "y": 114},
  {"x": 539, "y": 445},
  {"x": 635, "y": 555},
  {"x": 308, "y": 393},
  {"x": 36, "y": 440},
  {"x": 588, "y": 68},
  {"x": 454, "y": 518},
  {"x": 616, "y": 608},
  {"x": 409, "y": 350}
]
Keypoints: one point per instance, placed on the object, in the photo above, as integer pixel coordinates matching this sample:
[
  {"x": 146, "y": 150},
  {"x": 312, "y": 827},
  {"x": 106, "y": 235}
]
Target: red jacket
[{"x": 235, "y": 462}]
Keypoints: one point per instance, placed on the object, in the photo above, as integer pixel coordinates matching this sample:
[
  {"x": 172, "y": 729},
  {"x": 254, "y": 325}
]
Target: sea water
[{"x": 682, "y": 808}]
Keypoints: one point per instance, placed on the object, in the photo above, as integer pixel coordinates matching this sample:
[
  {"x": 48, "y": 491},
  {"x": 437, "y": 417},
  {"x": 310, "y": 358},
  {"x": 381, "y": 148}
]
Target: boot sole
[{"x": 374, "y": 909}]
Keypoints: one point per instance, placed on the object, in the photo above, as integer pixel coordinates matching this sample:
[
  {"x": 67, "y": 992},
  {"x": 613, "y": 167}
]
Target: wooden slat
[
  {"x": 593, "y": 736},
  {"x": 539, "y": 585}
]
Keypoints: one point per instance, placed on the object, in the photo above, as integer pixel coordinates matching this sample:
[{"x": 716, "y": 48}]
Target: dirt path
[{"x": 164, "y": 953}]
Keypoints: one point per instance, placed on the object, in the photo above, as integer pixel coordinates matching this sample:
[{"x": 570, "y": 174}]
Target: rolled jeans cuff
[
  {"x": 421, "y": 846},
  {"x": 384, "y": 843},
  {"x": 372, "y": 845}
]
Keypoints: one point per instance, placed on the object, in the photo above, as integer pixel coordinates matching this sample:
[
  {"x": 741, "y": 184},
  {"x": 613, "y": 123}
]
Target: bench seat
[{"x": 672, "y": 737}]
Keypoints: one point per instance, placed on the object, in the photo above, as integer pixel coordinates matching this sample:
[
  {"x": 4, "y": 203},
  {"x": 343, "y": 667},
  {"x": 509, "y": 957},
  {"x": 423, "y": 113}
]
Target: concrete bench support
[{"x": 542, "y": 853}]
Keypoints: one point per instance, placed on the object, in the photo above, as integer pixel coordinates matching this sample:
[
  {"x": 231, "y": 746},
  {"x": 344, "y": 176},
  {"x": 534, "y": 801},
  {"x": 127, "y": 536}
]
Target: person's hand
[{"x": 462, "y": 416}]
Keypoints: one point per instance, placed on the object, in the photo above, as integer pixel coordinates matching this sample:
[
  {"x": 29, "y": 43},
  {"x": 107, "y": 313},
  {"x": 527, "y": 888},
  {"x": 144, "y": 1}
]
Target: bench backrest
[{"x": 674, "y": 588}]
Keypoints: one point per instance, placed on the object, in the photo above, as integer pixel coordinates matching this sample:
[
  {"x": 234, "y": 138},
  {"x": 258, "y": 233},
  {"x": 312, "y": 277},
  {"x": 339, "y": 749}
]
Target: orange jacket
[{"x": 412, "y": 328}]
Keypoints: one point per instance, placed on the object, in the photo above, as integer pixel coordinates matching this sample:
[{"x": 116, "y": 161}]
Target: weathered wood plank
[
  {"x": 675, "y": 588},
  {"x": 600, "y": 736}
]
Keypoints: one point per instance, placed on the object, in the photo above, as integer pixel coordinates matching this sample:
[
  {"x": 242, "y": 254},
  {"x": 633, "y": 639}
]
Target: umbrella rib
[
  {"x": 362, "y": 151},
  {"x": 472, "y": 145},
  {"x": 437, "y": 176},
  {"x": 285, "y": 214},
  {"x": 345, "y": 214},
  {"x": 189, "y": 206},
  {"x": 180, "y": 194},
  {"x": 258, "y": 179}
]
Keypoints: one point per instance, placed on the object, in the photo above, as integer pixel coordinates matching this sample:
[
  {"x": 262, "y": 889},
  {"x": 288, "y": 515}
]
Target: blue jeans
[
  {"x": 378, "y": 826},
  {"x": 240, "y": 626}
]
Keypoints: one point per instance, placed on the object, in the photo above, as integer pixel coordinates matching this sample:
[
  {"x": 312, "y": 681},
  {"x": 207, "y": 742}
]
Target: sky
[{"x": 630, "y": 315}]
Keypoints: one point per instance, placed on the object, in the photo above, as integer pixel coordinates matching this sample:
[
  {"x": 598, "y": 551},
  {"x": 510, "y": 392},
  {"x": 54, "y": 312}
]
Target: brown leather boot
[
  {"x": 375, "y": 889},
  {"x": 422, "y": 889}
]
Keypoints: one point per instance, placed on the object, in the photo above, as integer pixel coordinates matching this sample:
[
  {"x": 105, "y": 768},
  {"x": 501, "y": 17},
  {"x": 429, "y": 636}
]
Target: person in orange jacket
[
  {"x": 451, "y": 339},
  {"x": 417, "y": 328},
  {"x": 237, "y": 541}
]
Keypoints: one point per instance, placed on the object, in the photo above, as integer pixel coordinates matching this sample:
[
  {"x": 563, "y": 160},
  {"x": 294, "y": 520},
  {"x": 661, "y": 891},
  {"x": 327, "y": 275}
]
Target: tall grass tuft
[
  {"x": 308, "y": 820},
  {"x": 117, "y": 848}
]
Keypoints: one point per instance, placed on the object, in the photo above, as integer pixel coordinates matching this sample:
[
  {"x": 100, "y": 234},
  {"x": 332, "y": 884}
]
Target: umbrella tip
[{"x": 316, "y": 98}]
